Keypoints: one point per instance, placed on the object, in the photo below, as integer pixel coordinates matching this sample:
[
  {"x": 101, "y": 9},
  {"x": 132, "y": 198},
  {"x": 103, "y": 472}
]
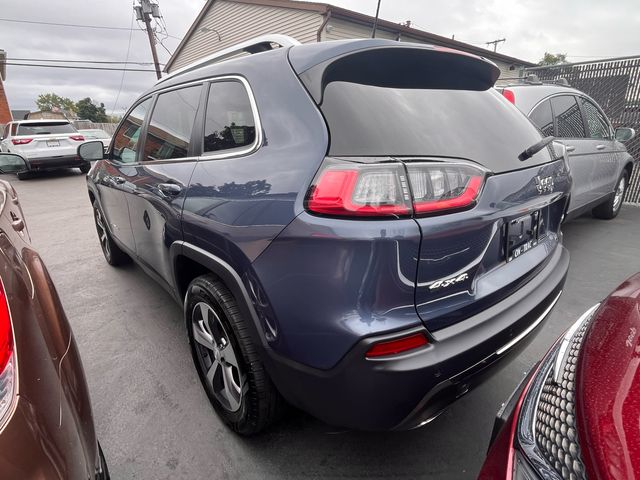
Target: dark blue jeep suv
[{"x": 361, "y": 228}]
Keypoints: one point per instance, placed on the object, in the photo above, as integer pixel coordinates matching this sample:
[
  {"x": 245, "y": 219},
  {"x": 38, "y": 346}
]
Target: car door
[
  {"x": 160, "y": 178},
  {"x": 115, "y": 179},
  {"x": 602, "y": 145},
  {"x": 570, "y": 130}
]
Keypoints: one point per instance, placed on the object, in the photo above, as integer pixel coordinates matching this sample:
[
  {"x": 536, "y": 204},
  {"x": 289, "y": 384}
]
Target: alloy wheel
[
  {"x": 217, "y": 357},
  {"x": 102, "y": 233},
  {"x": 617, "y": 199}
]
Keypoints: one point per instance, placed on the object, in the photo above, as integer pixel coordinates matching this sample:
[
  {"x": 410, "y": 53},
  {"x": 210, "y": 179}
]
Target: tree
[
  {"x": 553, "y": 59},
  {"x": 49, "y": 102},
  {"x": 87, "y": 110}
]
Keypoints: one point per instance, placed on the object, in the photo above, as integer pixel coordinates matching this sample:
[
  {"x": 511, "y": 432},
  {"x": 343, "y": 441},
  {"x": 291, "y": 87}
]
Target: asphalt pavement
[{"x": 154, "y": 420}]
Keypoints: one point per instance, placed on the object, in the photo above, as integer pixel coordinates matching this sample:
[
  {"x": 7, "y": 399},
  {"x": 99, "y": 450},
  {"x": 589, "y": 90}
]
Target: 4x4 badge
[{"x": 448, "y": 282}]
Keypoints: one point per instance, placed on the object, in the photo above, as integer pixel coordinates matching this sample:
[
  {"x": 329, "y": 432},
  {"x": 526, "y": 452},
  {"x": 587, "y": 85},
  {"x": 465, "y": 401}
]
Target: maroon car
[
  {"x": 46, "y": 425},
  {"x": 577, "y": 414}
]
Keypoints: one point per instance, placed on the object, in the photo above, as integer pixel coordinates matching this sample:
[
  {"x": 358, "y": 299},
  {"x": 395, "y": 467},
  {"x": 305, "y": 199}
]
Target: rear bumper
[
  {"x": 408, "y": 390},
  {"x": 47, "y": 163}
]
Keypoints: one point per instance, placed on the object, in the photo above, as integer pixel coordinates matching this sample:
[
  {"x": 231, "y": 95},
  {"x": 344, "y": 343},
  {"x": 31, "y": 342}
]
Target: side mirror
[
  {"x": 12, "y": 163},
  {"x": 91, "y": 151},
  {"x": 624, "y": 134}
]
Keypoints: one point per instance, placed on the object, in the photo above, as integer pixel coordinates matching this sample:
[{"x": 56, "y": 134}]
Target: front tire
[
  {"x": 611, "y": 207},
  {"x": 24, "y": 175},
  {"x": 227, "y": 360},
  {"x": 112, "y": 253}
]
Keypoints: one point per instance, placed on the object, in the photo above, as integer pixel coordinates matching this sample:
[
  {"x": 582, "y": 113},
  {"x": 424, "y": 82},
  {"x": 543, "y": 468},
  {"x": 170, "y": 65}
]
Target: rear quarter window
[
  {"x": 229, "y": 121},
  {"x": 542, "y": 117}
]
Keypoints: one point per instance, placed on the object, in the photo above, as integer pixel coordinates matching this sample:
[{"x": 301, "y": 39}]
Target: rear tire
[
  {"x": 85, "y": 168},
  {"x": 227, "y": 360},
  {"x": 112, "y": 253},
  {"x": 611, "y": 207}
]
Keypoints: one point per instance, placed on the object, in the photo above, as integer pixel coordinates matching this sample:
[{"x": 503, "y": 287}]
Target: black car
[{"x": 361, "y": 227}]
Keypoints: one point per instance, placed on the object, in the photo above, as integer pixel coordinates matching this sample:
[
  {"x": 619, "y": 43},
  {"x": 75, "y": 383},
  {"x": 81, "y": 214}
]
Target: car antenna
[{"x": 535, "y": 148}]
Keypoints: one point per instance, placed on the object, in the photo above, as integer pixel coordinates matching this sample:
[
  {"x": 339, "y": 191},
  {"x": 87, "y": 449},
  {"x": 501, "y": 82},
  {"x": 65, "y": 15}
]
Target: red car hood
[{"x": 608, "y": 387}]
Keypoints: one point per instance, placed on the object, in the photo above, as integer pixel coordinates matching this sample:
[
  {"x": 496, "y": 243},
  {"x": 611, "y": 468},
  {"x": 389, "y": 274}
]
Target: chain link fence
[{"x": 615, "y": 85}]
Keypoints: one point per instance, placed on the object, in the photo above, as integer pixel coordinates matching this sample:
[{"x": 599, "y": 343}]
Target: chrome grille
[{"x": 555, "y": 424}]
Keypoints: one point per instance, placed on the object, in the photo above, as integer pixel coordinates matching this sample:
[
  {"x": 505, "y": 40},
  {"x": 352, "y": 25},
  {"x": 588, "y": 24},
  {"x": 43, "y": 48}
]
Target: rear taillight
[
  {"x": 356, "y": 189},
  {"x": 21, "y": 141},
  {"x": 442, "y": 187},
  {"x": 509, "y": 95},
  {"x": 7, "y": 359},
  {"x": 397, "y": 346},
  {"x": 389, "y": 189},
  {"x": 77, "y": 138}
]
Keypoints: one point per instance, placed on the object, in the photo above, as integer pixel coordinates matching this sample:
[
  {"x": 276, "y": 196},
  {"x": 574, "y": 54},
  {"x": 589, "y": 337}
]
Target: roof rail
[
  {"x": 533, "y": 79},
  {"x": 255, "y": 45}
]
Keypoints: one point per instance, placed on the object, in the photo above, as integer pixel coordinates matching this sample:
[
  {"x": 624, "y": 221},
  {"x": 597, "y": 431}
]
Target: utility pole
[
  {"x": 145, "y": 11},
  {"x": 375, "y": 23},
  {"x": 495, "y": 43}
]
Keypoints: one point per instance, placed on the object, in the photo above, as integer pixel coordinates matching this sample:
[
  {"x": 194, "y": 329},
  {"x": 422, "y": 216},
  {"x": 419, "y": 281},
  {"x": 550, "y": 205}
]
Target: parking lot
[{"x": 153, "y": 417}]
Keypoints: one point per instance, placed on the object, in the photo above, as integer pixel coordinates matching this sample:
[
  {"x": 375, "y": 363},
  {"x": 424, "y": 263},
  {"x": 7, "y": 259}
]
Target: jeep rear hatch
[{"x": 419, "y": 132}]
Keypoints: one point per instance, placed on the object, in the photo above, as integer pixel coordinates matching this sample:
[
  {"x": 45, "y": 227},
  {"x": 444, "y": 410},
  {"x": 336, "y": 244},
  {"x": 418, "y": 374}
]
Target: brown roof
[{"x": 338, "y": 12}]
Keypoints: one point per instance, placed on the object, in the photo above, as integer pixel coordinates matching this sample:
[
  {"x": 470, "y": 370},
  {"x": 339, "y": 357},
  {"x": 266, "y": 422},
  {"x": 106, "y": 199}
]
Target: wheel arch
[
  {"x": 190, "y": 262},
  {"x": 629, "y": 167}
]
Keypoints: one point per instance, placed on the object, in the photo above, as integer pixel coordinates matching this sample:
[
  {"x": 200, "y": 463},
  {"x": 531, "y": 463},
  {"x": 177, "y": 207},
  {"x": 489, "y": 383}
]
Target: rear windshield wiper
[{"x": 535, "y": 148}]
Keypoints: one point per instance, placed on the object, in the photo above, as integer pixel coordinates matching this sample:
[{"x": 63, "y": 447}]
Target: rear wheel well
[
  {"x": 629, "y": 168},
  {"x": 186, "y": 270}
]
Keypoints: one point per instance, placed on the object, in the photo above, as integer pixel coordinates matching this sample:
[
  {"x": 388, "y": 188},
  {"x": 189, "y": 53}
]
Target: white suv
[{"x": 44, "y": 144}]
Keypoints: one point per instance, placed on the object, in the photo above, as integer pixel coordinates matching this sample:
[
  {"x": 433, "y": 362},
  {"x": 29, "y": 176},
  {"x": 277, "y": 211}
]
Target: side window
[
  {"x": 5, "y": 132},
  {"x": 169, "y": 132},
  {"x": 229, "y": 120},
  {"x": 542, "y": 117},
  {"x": 567, "y": 116},
  {"x": 14, "y": 127},
  {"x": 596, "y": 123},
  {"x": 125, "y": 141}
]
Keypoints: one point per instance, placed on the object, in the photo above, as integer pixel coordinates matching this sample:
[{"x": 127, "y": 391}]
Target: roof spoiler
[
  {"x": 395, "y": 65},
  {"x": 255, "y": 45}
]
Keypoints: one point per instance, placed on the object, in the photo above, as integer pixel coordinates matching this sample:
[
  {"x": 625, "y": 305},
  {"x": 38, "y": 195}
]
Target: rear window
[
  {"x": 481, "y": 126},
  {"x": 49, "y": 128}
]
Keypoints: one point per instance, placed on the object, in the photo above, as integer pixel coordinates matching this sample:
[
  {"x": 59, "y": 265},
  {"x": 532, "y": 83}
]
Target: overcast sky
[{"x": 586, "y": 29}]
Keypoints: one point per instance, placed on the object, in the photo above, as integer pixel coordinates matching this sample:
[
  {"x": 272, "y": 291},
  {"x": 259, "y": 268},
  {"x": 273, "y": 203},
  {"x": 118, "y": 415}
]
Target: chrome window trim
[
  {"x": 576, "y": 94},
  {"x": 257, "y": 143},
  {"x": 243, "y": 151}
]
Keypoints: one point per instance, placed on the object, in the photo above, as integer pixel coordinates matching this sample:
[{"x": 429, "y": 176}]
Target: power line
[
  {"x": 109, "y": 62},
  {"x": 100, "y": 27},
  {"x": 127, "y": 59},
  {"x": 79, "y": 67}
]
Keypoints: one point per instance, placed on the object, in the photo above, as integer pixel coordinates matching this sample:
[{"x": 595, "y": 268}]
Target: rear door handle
[
  {"x": 600, "y": 147},
  {"x": 570, "y": 148},
  {"x": 170, "y": 188}
]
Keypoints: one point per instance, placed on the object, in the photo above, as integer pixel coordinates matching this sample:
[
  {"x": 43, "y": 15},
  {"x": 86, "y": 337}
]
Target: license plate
[
  {"x": 53, "y": 143},
  {"x": 522, "y": 235}
]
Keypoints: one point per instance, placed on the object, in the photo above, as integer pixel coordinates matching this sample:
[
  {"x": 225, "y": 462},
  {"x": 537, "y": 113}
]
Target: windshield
[
  {"x": 481, "y": 126},
  {"x": 45, "y": 128}
]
